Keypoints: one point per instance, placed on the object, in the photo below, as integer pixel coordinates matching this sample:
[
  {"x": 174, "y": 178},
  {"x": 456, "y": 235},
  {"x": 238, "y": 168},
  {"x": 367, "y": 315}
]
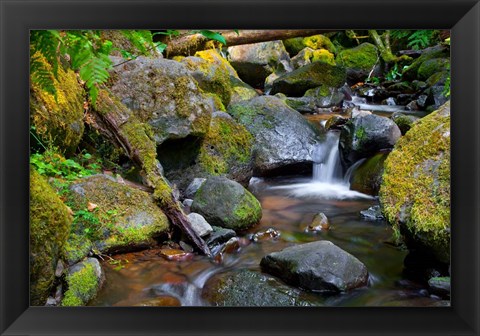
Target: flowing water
[{"x": 289, "y": 204}]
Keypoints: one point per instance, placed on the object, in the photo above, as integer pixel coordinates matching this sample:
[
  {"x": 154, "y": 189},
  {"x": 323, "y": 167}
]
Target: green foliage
[
  {"x": 51, "y": 164},
  {"x": 211, "y": 35},
  {"x": 394, "y": 73},
  {"x": 416, "y": 39}
]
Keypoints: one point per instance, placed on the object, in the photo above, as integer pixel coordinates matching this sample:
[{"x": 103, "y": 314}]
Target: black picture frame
[{"x": 19, "y": 16}]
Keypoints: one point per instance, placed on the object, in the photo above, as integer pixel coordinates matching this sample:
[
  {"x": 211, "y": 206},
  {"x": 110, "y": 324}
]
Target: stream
[{"x": 289, "y": 204}]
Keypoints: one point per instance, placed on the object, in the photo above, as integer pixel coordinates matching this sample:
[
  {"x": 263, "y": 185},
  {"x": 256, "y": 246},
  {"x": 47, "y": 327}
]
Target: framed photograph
[{"x": 239, "y": 168}]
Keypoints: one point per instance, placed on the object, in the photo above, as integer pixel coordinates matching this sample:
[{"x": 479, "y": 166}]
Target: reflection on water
[{"x": 148, "y": 279}]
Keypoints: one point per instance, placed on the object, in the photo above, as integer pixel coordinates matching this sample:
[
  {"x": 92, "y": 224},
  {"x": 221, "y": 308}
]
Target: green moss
[
  {"x": 415, "y": 192},
  {"x": 217, "y": 102},
  {"x": 319, "y": 42},
  {"x": 76, "y": 248},
  {"x": 433, "y": 66},
  {"x": 323, "y": 55},
  {"x": 360, "y": 133},
  {"x": 227, "y": 143},
  {"x": 249, "y": 210},
  {"x": 411, "y": 72},
  {"x": 294, "y": 45},
  {"x": 59, "y": 121},
  {"x": 82, "y": 286},
  {"x": 363, "y": 57},
  {"x": 49, "y": 226},
  {"x": 368, "y": 176}
]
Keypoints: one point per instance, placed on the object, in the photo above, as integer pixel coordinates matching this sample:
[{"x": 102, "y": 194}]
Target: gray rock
[
  {"x": 254, "y": 62},
  {"x": 297, "y": 82},
  {"x": 219, "y": 236},
  {"x": 284, "y": 139},
  {"x": 223, "y": 202},
  {"x": 320, "y": 266},
  {"x": 59, "y": 269},
  {"x": 194, "y": 186},
  {"x": 187, "y": 202},
  {"x": 335, "y": 122},
  {"x": 164, "y": 94},
  {"x": 373, "y": 213},
  {"x": 199, "y": 224},
  {"x": 246, "y": 288},
  {"x": 364, "y": 135},
  {"x": 440, "y": 285}
]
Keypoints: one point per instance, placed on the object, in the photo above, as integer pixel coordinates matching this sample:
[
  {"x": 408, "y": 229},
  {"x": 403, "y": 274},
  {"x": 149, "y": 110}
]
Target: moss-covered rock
[
  {"x": 59, "y": 120},
  {"x": 76, "y": 248},
  {"x": 411, "y": 72},
  {"x": 241, "y": 91},
  {"x": 415, "y": 192},
  {"x": 296, "y": 44},
  {"x": 284, "y": 139},
  {"x": 212, "y": 72},
  {"x": 49, "y": 226},
  {"x": 254, "y": 62},
  {"x": 433, "y": 66},
  {"x": 359, "y": 61},
  {"x": 84, "y": 280},
  {"x": 223, "y": 202},
  {"x": 125, "y": 218},
  {"x": 368, "y": 176},
  {"x": 163, "y": 94},
  {"x": 295, "y": 83},
  {"x": 308, "y": 55},
  {"x": 404, "y": 121},
  {"x": 225, "y": 150}
]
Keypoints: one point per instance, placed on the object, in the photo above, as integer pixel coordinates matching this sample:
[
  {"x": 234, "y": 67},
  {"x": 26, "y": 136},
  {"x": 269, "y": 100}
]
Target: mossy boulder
[
  {"x": 124, "y": 219},
  {"x": 84, "y": 280},
  {"x": 59, "y": 120},
  {"x": 246, "y": 288},
  {"x": 359, "y": 61},
  {"x": 364, "y": 135},
  {"x": 50, "y": 223},
  {"x": 225, "y": 150},
  {"x": 411, "y": 72},
  {"x": 315, "y": 99},
  {"x": 295, "y": 83},
  {"x": 297, "y": 44},
  {"x": 241, "y": 91},
  {"x": 255, "y": 62},
  {"x": 433, "y": 66},
  {"x": 308, "y": 55},
  {"x": 415, "y": 192},
  {"x": 368, "y": 176},
  {"x": 223, "y": 202},
  {"x": 163, "y": 94},
  {"x": 284, "y": 140},
  {"x": 212, "y": 72},
  {"x": 76, "y": 248}
]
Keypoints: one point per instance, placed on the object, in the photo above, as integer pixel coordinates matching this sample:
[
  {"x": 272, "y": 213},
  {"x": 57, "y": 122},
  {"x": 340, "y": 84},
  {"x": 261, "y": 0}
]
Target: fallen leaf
[{"x": 91, "y": 206}]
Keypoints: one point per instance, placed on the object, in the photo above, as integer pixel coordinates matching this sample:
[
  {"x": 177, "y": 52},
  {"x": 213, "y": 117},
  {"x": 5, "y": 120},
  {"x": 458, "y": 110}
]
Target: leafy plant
[
  {"x": 394, "y": 73},
  {"x": 416, "y": 39}
]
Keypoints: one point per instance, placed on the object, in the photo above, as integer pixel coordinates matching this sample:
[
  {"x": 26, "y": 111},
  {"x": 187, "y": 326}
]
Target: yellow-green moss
[
  {"x": 59, "y": 121},
  {"x": 416, "y": 182},
  {"x": 226, "y": 142},
  {"x": 362, "y": 57},
  {"x": 49, "y": 226},
  {"x": 76, "y": 248},
  {"x": 82, "y": 286},
  {"x": 319, "y": 42},
  {"x": 323, "y": 55}
]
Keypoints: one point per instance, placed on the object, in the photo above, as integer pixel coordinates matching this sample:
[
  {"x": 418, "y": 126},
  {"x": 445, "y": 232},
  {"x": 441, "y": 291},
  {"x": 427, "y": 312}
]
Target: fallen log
[
  {"x": 114, "y": 121},
  {"x": 187, "y": 45}
]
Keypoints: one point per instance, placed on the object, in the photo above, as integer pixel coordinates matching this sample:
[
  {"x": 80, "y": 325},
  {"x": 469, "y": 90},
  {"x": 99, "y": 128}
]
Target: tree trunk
[
  {"x": 187, "y": 45},
  {"x": 113, "y": 120},
  {"x": 384, "y": 48}
]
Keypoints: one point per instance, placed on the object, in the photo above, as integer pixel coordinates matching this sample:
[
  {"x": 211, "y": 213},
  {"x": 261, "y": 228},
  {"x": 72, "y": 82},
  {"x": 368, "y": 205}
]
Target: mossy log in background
[{"x": 117, "y": 123}]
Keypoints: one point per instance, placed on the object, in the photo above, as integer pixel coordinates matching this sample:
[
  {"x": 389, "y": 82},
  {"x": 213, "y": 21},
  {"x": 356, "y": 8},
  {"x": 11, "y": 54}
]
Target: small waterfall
[{"x": 326, "y": 158}]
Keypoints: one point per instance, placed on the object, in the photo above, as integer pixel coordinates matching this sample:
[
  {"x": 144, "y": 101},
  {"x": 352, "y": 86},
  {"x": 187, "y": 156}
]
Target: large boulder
[
  {"x": 364, "y": 135},
  {"x": 247, "y": 288},
  {"x": 163, "y": 94},
  {"x": 359, "y": 61},
  {"x": 225, "y": 150},
  {"x": 412, "y": 71},
  {"x": 319, "y": 266},
  {"x": 255, "y": 62},
  {"x": 315, "y": 99},
  {"x": 120, "y": 218},
  {"x": 297, "y": 44},
  {"x": 58, "y": 120},
  {"x": 223, "y": 202},
  {"x": 415, "y": 192},
  {"x": 284, "y": 140},
  {"x": 297, "y": 82},
  {"x": 308, "y": 55},
  {"x": 49, "y": 226},
  {"x": 84, "y": 280}
]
